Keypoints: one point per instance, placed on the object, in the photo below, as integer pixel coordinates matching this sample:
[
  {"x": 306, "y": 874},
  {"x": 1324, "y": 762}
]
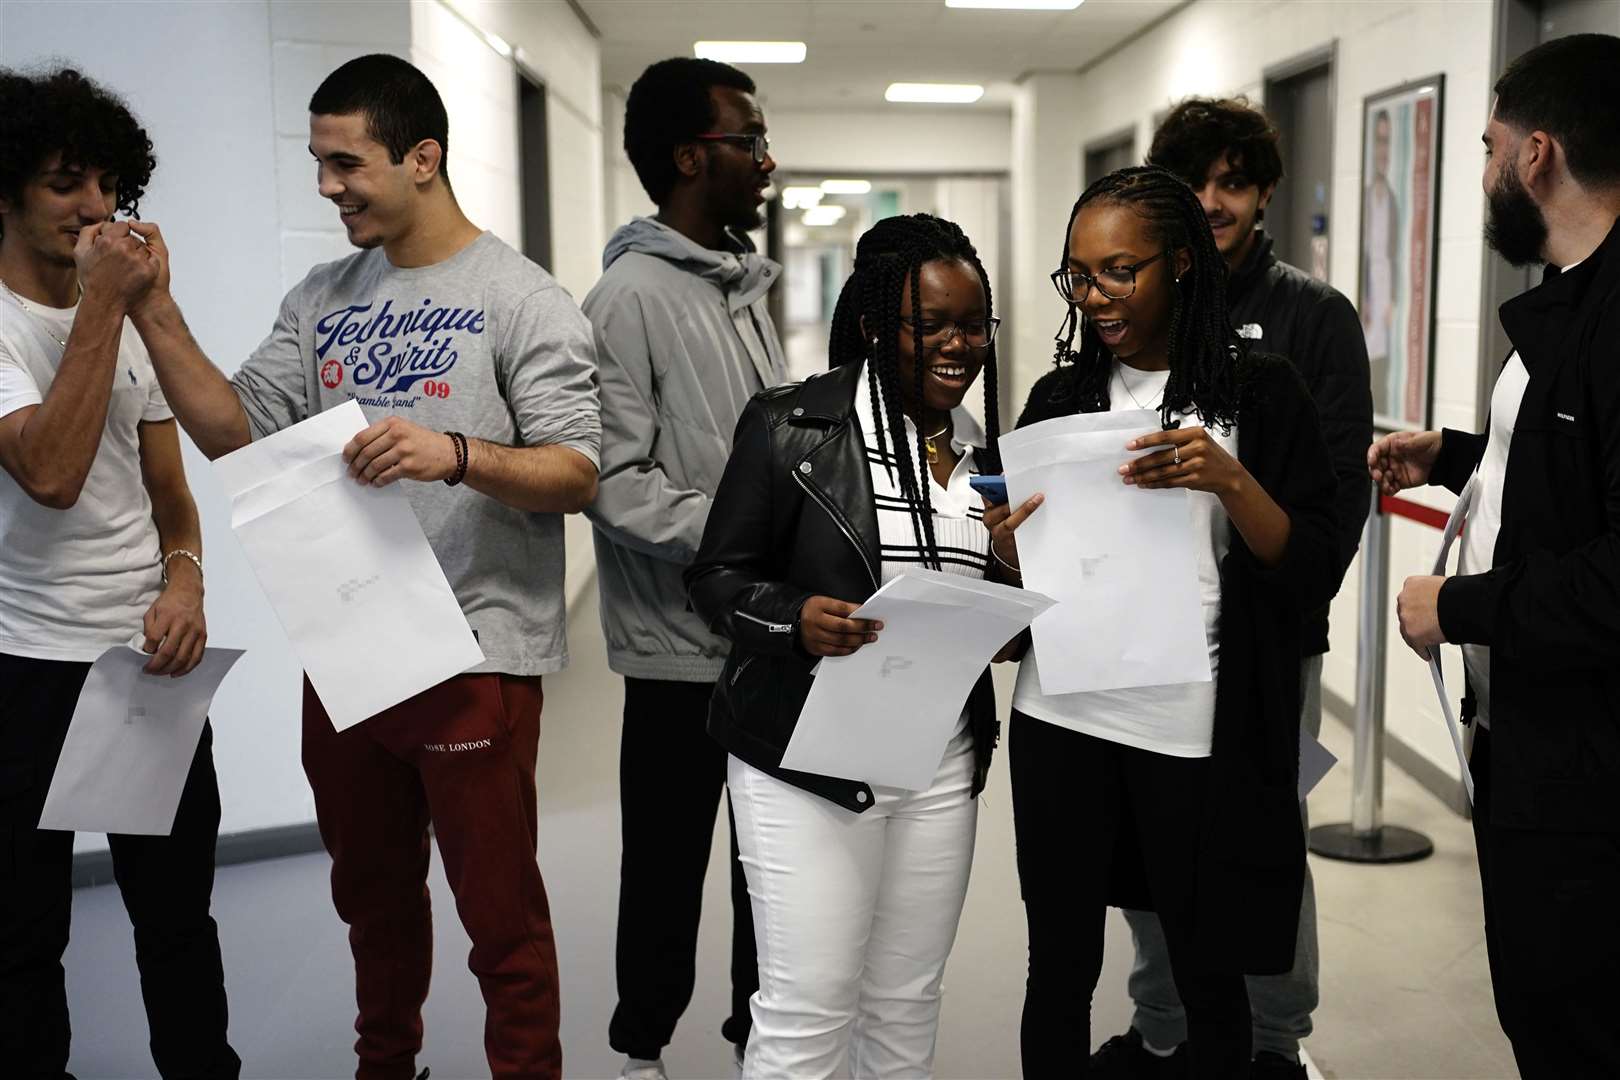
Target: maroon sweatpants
[{"x": 460, "y": 756}]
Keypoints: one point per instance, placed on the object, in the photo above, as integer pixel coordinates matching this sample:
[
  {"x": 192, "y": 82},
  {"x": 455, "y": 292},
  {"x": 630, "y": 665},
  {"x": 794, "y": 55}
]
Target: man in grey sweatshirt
[{"x": 683, "y": 340}]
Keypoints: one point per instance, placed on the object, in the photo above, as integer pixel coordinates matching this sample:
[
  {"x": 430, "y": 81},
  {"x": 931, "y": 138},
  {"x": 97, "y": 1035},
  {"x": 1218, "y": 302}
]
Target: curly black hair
[
  {"x": 1209, "y": 364},
  {"x": 62, "y": 110},
  {"x": 1201, "y": 131},
  {"x": 887, "y": 255},
  {"x": 670, "y": 105}
]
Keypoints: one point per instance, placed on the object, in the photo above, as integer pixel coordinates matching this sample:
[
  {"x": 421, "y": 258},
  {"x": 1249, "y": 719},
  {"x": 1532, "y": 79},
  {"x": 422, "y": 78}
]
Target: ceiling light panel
[
  {"x": 934, "y": 93},
  {"x": 750, "y": 52}
]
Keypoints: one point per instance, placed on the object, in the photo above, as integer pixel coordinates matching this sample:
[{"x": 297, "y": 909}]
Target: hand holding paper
[
  {"x": 347, "y": 568},
  {"x": 884, "y": 713},
  {"x": 130, "y": 745}
]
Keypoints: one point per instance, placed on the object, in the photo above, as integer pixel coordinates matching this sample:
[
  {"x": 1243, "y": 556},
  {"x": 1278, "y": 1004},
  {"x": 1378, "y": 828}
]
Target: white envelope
[
  {"x": 347, "y": 568},
  {"x": 1454, "y": 526},
  {"x": 130, "y": 744},
  {"x": 885, "y": 713},
  {"x": 1120, "y": 561}
]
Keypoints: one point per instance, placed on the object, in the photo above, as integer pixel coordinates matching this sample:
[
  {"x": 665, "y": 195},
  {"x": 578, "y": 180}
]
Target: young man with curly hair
[
  {"x": 684, "y": 339},
  {"x": 99, "y": 544}
]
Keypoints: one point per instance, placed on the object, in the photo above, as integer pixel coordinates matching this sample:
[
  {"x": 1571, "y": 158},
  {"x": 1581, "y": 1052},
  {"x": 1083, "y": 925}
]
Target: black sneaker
[
  {"x": 1270, "y": 1066},
  {"x": 1125, "y": 1058}
]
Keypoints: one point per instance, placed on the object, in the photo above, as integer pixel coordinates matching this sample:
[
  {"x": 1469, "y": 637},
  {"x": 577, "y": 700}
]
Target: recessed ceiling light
[
  {"x": 830, "y": 214},
  {"x": 795, "y": 197},
  {"x": 943, "y": 93},
  {"x": 846, "y": 187},
  {"x": 750, "y": 52},
  {"x": 1016, "y": 5}
]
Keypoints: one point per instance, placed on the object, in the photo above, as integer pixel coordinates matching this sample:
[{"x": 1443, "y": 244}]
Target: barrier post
[{"x": 1366, "y": 838}]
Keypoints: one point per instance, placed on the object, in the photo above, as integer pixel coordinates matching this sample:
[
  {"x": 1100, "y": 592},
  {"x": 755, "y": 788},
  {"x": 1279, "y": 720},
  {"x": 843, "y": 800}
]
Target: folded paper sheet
[
  {"x": 1454, "y": 525},
  {"x": 1119, "y": 561},
  {"x": 347, "y": 569},
  {"x": 130, "y": 744},
  {"x": 884, "y": 713}
]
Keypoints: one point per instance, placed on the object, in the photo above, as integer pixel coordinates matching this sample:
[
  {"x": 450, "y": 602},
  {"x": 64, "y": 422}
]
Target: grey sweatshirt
[
  {"x": 485, "y": 343},
  {"x": 683, "y": 340}
]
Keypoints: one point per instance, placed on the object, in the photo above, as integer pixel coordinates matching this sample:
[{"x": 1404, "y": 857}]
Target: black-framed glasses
[
  {"x": 937, "y": 333},
  {"x": 1114, "y": 282},
  {"x": 759, "y": 144}
]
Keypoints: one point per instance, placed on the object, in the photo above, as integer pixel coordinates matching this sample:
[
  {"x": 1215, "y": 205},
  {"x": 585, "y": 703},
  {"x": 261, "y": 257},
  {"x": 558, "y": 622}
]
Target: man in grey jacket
[{"x": 684, "y": 340}]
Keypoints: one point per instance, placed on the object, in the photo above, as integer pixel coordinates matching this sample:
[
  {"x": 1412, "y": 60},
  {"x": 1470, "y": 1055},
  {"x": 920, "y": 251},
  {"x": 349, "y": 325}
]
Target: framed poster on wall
[{"x": 1400, "y": 228}]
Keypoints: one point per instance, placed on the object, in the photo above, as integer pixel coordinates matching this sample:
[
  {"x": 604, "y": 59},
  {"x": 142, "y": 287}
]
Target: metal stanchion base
[{"x": 1385, "y": 844}]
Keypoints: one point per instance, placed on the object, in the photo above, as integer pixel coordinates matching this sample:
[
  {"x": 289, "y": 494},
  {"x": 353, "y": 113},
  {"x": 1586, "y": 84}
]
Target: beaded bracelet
[{"x": 458, "y": 440}]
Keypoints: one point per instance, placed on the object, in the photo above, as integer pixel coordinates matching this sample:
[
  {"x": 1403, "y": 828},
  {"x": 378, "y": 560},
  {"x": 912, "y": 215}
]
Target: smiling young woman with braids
[
  {"x": 834, "y": 486},
  {"x": 1180, "y": 799}
]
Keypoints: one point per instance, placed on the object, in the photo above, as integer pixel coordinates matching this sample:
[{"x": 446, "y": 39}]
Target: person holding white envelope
[
  {"x": 99, "y": 543},
  {"x": 479, "y": 372},
  {"x": 1179, "y": 799},
  {"x": 834, "y": 486}
]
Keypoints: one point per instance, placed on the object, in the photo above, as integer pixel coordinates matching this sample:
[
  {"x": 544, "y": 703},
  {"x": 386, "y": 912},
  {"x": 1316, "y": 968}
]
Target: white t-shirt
[
  {"x": 1178, "y": 720},
  {"x": 75, "y": 582},
  {"x": 1485, "y": 515}
]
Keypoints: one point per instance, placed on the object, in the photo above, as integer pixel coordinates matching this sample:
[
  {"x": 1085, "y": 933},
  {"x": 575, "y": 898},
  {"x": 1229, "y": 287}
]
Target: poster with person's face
[{"x": 1400, "y": 187}]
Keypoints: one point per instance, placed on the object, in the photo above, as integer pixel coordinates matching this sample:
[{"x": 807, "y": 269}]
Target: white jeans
[{"x": 854, "y": 916}]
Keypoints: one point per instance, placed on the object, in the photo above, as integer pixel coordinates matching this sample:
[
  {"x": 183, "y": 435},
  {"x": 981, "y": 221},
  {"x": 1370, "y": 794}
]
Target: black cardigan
[
  {"x": 1251, "y": 858},
  {"x": 1549, "y": 607}
]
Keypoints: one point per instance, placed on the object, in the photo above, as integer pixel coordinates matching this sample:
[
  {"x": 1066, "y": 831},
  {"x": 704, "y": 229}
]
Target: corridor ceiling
[{"x": 858, "y": 47}]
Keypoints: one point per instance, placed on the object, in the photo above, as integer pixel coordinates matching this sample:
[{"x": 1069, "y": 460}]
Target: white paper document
[
  {"x": 347, "y": 569},
  {"x": 130, "y": 744},
  {"x": 1315, "y": 762},
  {"x": 1119, "y": 561},
  {"x": 1454, "y": 525},
  {"x": 884, "y": 714}
]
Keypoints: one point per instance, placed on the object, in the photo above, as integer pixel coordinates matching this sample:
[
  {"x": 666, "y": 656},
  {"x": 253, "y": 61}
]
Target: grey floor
[{"x": 1405, "y": 990}]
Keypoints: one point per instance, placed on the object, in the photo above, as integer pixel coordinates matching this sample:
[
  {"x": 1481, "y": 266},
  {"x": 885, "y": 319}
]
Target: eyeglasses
[
  {"x": 1115, "y": 282},
  {"x": 975, "y": 335},
  {"x": 758, "y": 145}
]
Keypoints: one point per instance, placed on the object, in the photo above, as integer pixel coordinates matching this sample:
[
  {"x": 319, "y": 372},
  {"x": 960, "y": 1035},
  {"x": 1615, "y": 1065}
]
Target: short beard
[{"x": 1515, "y": 226}]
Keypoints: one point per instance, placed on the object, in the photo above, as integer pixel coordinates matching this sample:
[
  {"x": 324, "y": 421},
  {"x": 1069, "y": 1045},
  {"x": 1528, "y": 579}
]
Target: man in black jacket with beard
[
  {"x": 1535, "y": 602},
  {"x": 1226, "y": 150}
]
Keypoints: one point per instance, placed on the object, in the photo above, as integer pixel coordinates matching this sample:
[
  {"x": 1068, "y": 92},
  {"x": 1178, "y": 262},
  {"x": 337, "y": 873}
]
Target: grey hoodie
[{"x": 683, "y": 340}]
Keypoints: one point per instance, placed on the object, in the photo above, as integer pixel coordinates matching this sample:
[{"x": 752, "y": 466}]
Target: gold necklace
[
  {"x": 24, "y": 305},
  {"x": 928, "y": 444}
]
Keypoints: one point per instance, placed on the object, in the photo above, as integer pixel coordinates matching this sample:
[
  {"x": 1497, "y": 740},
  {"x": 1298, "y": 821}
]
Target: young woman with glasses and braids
[
  {"x": 1180, "y": 799},
  {"x": 834, "y": 486}
]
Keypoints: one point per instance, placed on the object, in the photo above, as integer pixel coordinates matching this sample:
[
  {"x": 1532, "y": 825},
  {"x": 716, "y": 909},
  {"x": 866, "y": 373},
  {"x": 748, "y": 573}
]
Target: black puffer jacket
[
  {"x": 1287, "y": 312},
  {"x": 794, "y": 518}
]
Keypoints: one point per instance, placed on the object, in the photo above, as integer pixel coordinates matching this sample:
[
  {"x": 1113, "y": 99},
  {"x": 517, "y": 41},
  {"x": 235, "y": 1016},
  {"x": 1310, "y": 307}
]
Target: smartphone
[{"x": 993, "y": 488}]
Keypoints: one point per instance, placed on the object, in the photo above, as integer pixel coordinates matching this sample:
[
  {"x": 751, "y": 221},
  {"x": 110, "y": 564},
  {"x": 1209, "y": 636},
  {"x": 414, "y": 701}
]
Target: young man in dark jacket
[
  {"x": 684, "y": 340},
  {"x": 1533, "y": 602},
  {"x": 1226, "y": 150}
]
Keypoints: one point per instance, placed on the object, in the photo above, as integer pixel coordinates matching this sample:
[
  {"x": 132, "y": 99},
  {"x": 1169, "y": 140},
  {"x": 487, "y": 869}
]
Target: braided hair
[
  {"x": 1209, "y": 366},
  {"x": 887, "y": 255}
]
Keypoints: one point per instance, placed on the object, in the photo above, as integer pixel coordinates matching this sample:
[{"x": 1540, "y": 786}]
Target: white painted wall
[
  {"x": 235, "y": 194},
  {"x": 1226, "y": 47}
]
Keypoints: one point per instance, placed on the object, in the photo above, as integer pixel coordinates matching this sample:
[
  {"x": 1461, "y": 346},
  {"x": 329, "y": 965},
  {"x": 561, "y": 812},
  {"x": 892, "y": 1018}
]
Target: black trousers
[
  {"x": 166, "y": 883},
  {"x": 1552, "y": 937},
  {"x": 1074, "y": 798},
  {"x": 671, "y": 774}
]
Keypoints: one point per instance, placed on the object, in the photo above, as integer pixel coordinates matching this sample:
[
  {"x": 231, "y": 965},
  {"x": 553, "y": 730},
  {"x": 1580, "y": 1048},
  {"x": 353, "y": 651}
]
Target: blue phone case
[{"x": 993, "y": 488}]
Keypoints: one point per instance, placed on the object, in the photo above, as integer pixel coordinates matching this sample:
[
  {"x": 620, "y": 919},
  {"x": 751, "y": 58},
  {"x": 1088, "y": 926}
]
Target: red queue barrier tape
[{"x": 1423, "y": 515}]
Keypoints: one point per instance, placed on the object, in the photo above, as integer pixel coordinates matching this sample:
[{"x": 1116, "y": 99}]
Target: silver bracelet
[
  {"x": 1004, "y": 562},
  {"x": 192, "y": 555}
]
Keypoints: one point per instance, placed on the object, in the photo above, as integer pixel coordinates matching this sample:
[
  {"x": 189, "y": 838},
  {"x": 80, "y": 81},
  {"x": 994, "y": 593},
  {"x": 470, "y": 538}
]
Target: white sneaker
[{"x": 642, "y": 1069}]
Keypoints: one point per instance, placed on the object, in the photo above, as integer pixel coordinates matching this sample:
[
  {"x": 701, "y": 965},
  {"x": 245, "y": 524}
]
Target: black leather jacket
[{"x": 794, "y": 518}]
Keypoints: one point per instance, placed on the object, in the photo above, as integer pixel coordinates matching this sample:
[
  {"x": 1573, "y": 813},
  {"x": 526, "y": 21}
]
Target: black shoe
[
  {"x": 1270, "y": 1066},
  {"x": 1125, "y": 1058}
]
